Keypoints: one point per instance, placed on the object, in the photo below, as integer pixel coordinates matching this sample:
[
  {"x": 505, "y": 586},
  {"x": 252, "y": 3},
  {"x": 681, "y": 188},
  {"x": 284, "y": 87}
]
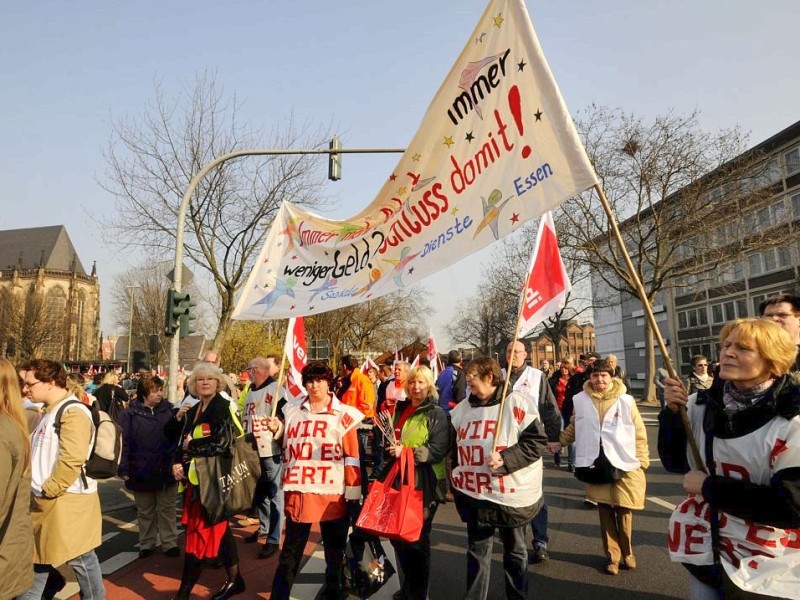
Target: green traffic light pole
[{"x": 333, "y": 151}]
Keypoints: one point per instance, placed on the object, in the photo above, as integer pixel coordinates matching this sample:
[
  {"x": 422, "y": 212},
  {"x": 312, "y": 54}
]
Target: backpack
[{"x": 103, "y": 461}]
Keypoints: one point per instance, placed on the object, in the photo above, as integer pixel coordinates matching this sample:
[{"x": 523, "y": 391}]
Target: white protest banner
[
  {"x": 496, "y": 148},
  {"x": 548, "y": 282}
]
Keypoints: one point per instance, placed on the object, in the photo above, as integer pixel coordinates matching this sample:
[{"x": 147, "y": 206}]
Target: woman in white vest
[
  {"x": 738, "y": 533},
  {"x": 496, "y": 491},
  {"x": 65, "y": 508},
  {"x": 610, "y": 452},
  {"x": 321, "y": 474}
]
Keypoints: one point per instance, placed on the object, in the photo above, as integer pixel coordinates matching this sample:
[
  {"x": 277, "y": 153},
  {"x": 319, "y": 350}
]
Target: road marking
[
  {"x": 110, "y": 535},
  {"x": 661, "y": 502},
  {"x": 70, "y": 590},
  {"x": 117, "y": 562}
]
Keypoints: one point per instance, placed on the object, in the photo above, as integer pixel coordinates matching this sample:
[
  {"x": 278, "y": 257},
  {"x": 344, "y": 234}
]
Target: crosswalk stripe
[{"x": 117, "y": 562}]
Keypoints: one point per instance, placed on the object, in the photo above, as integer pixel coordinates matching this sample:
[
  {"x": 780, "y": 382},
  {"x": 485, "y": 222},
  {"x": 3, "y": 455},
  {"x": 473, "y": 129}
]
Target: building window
[
  {"x": 792, "y": 158},
  {"x": 694, "y": 317},
  {"x": 796, "y": 205},
  {"x": 767, "y": 261},
  {"x": 728, "y": 310}
]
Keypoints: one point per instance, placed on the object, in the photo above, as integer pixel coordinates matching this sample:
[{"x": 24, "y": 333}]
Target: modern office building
[{"x": 691, "y": 311}]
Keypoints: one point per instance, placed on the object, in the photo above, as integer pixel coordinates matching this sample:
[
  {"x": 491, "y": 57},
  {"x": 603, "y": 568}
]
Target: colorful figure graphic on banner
[{"x": 491, "y": 212}]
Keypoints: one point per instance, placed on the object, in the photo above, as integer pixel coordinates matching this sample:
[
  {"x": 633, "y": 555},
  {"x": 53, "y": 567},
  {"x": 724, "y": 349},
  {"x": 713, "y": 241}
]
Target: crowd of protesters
[{"x": 743, "y": 474}]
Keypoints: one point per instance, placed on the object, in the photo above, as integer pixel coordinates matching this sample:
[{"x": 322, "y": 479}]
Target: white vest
[
  {"x": 45, "y": 450},
  {"x": 257, "y": 409},
  {"x": 474, "y": 427},
  {"x": 757, "y": 557},
  {"x": 529, "y": 382},
  {"x": 313, "y": 453},
  {"x": 617, "y": 432}
]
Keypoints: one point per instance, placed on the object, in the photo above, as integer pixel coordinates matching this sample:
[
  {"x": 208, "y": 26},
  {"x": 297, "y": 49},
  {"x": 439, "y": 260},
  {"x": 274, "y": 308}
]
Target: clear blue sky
[{"x": 369, "y": 68}]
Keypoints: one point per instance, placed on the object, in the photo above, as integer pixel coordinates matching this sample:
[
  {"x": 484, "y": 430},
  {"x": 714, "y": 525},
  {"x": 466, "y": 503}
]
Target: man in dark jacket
[{"x": 533, "y": 382}]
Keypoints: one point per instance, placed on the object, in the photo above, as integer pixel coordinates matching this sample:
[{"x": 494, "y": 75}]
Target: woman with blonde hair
[
  {"x": 736, "y": 533},
  {"x": 111, "y": 398},
  {"x": 16, "y": 541},
  {"x": 209, "y": 429},
  {"x": 420, "y": 424}
]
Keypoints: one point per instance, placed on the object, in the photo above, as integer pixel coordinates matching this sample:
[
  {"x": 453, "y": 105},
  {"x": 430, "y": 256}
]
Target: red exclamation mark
[{"x": 515, "y": 104}]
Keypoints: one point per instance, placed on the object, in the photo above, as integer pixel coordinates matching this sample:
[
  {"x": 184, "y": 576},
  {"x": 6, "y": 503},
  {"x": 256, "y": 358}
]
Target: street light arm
[{"x": 187, "y": 197}]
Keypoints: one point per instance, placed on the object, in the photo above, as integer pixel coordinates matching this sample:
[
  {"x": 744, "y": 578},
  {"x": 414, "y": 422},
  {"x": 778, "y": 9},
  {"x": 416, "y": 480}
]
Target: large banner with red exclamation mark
[{"x": 496, "y": 148}]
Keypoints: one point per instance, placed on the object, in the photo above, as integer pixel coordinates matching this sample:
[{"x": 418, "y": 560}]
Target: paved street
[{"x": 575, "y": 569}]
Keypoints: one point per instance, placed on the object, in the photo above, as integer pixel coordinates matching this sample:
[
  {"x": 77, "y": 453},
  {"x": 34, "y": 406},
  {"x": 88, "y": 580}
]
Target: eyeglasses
[
  {"x": 30, "y": 384},
  {"x": 780, "y": 316}
]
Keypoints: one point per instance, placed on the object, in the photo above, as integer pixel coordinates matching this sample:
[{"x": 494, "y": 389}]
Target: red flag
[
  {"x": 295, "y": 349},
  {"x": 548, "y": 282}
]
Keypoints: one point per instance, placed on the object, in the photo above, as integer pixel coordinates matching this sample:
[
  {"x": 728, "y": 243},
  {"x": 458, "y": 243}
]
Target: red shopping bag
[{"x": 394, "y": 510}]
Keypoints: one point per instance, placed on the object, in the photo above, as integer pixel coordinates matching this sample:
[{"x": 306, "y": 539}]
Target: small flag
[
  {"x": 295, "y": 349},
  {"x": 368, "y": 362},
  {"x": 433, "y": 355},
  {"x": 548, "y": 283}
]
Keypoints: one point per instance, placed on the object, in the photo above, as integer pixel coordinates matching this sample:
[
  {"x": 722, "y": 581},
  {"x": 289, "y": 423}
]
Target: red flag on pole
[
  {"x": 547, "y": 285},
  {"x": 295, "y": 349},
  {"x": 433, "y": 355}
]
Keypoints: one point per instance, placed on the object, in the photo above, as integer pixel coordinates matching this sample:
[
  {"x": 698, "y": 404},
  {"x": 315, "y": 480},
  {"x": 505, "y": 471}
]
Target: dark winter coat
[
  {"x": 149, "y": 440},
  {"x": 111, "y": 399}
]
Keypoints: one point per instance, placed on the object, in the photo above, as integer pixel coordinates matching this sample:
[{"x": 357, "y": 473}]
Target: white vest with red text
[
  {"x": 617, "y": 432},
  {"x": 257, "y": 409},
  {"x": 758, "y": 558},
  {"x": 474, "y": 427},
  {"x": 313, "y": 454}
]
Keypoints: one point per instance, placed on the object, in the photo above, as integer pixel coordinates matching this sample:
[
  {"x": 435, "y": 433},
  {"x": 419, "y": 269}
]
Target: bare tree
[
  {"x": 150, "y": 161},
  {"x": 385, "y": 322},
  {"x": 486, "y": 319},
  {"x": 682, "y": 194},
  {"x": 248, "y": 340},
  {"x": 141, "y": 292}
]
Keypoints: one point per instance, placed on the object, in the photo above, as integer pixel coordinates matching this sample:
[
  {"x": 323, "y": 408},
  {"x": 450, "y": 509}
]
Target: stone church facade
[{"x": 49, "y": 305}]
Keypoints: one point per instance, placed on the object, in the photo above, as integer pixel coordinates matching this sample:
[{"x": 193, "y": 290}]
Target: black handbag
[
  {"x": 601, "y": 471},
  {"x": 228, "y": 481}
]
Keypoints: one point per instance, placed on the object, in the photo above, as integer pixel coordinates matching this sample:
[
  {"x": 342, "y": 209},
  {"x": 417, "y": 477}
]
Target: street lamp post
[{"x": 130, "y": 323}]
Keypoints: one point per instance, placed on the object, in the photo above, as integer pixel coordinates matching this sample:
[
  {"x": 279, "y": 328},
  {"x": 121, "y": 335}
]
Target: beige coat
[
  {"x": 16, "y": 536},
  {"x": 66, "y": 525},
  {"x": 628, "y": 492}
]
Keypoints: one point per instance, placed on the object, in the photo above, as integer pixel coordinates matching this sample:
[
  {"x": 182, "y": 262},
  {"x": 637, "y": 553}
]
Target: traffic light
[
  {"x": 186, "y": 325},
  {"x": 335, "y": 160},
  {"x": 177, "y": 307}
]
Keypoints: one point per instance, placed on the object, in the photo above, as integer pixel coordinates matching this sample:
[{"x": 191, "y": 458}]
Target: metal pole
[
  {"x": 130, "y": 323},
  {"x": 187, "y": 197}
]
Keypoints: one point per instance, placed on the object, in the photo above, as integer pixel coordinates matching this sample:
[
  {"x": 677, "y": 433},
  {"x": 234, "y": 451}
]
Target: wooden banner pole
[{"x": 651, "y": 320}]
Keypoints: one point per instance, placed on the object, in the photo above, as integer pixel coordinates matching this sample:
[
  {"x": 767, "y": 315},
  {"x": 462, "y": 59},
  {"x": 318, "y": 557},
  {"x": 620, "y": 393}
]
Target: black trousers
[
  {"x": 414, "y": 560},
  {"x": 334, "y": 539}
]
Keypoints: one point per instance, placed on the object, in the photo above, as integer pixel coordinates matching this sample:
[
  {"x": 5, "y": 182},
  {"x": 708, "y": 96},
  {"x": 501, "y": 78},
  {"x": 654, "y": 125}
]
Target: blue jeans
[
  {"x": 87, "y": 572},
  {"x": 480, "y": 539},
  {"x": 539, "y": 528},
  {"x": 269, "y": 499}
]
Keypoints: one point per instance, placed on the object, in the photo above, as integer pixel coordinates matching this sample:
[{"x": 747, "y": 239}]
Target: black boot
[
  {"x": 192, "y": 568},
  {"x": 234, "y": 585}
]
